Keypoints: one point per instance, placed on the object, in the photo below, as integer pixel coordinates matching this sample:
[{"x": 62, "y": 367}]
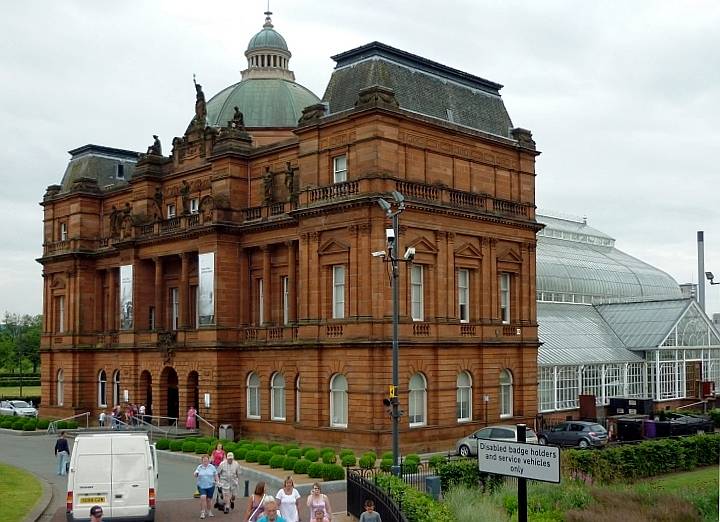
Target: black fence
[{"x": 361, "y": 487}]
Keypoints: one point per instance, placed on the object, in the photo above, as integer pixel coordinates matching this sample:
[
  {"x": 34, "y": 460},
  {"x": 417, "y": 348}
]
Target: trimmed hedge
[
  {"x": 329, "y": 457},
  {"x": 344, "y": 452},
  {"x": 348, "y": 460},
  {"x": 386, "y": 464},
  {"x": 437, "y": 461},
  {"x": 162, "y": 444},
  {"x": 312, "y": 455},
  {"x": 294, "y": 452},
  {"x": 387, "y": 455},
  {"x": 416, "y": 506},
  {"x": 30, "y": 425},
  {"x": 277, "y": 461},
  {"x": 367, "y": 461},
  {"x": 646, "y": 459},
  {"x": 301, "y": 466},
  {"x": 240, "y": 453},
  {"x": 278, "y": 449},
  {"x": 333, "y": 472},
  {"x": 289, "y": 463},
  {"x": 315, "y": 470},
  {"x": 304, "y": 451},
  {"x": 202, "y": 448},
  {"x": 43, "y": 424},
  {"x": 252, "y": 456},
  {"x": 188, "y": 446},
  {"x": 261, "y": 446},
  {"x": 465, "y": 472},
  {"x": 264, "y": 457},
  {"x": 176, "y": 445},
  {"x": 715, "y": 416}
]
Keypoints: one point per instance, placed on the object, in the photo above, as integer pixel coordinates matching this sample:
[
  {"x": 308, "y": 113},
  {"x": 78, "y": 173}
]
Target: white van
[{"x": 117, "y": 471}]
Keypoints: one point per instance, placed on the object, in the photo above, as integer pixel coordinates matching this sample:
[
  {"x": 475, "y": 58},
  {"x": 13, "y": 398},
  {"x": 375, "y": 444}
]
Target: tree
[{"x": 20, "y": 341}]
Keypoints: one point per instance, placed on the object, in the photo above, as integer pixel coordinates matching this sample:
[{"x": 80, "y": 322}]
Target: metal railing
[
  {"x": 52, "y": 427},
  {"x": 212, "y": 426},
  {"x": 360, "y": 488}
]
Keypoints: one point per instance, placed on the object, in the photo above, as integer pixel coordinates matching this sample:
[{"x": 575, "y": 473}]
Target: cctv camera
[
  {"x": 390, "y": 235},
  {"x": 709, "y": 276},
  {"x": 379, "y": 253},
  {"x": 384, "y": 205},
  {"x": 409, "y": 254}
]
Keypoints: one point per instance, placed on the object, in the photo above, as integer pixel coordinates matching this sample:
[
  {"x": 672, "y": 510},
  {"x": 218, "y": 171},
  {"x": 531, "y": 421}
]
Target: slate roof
[
  {"x": 99, "y": 163},
  {"x": 420, "y": 85},
  {"x": 575, "y": 334}
]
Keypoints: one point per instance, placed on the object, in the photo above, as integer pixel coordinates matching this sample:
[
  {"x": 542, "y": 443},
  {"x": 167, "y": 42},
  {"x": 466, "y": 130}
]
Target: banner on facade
[
  {"x": 126, "y": 297},
  {"x": 206, "y": 288}
]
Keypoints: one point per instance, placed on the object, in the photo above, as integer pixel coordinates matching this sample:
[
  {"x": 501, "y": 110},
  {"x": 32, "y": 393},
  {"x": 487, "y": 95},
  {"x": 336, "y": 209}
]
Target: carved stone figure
[
  {"x": 158, "y": 199},
  {"x": 156, "y": 147},
  {"x": 238, "y": 121},
  {"x": 312, "y": 113},
  {"x": 115, "y": 218},
  {"x": 185, "y": 195},
  {"x": 290, "y": 183},
  {"x": 200, "y": 105},
  {"x": 377, "y": 94},
  {"x": 267, "y": 186}
]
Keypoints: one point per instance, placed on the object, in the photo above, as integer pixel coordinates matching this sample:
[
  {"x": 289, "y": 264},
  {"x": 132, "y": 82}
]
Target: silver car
[
  {"x": 467, "y": 446},
  {"x": 17, "y": 408}
]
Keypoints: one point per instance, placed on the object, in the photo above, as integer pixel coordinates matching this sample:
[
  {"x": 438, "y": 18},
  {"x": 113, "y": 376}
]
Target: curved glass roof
[{"x": 581, "y": 265}]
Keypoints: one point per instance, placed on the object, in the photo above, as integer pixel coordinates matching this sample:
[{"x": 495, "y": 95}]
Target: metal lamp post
[{"x": 399, "y": 205}]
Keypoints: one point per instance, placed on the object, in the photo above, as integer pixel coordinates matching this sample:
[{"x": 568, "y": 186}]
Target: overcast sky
[{"x": 623, "y": 99}]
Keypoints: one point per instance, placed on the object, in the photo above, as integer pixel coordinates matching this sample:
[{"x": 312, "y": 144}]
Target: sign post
[{"x": 522, "y": 460}]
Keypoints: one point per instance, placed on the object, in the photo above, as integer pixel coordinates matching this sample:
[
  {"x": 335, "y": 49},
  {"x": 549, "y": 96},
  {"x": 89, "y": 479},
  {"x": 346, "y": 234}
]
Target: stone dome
[{"x": 267, "y": 94}]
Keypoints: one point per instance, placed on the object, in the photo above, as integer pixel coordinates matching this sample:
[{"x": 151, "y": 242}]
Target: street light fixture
[
  {"x": 392, "y": 211},
  {"x": 710, "y": 277}
]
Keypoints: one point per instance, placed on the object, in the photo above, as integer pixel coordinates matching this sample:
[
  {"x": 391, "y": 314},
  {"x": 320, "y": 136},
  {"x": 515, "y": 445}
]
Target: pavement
[{"x": 175, "y": 488}]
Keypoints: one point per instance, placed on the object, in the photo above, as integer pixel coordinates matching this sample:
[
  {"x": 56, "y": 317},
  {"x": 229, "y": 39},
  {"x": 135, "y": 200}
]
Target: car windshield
[
  {"x": 596, "y": 427},
  {"x": 20, "y": 404},
  {"x": 530, "y": 433}
]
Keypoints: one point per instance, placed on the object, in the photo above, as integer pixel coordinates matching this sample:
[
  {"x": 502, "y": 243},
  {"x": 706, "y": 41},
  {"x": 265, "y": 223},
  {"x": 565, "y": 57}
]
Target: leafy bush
[
  {"x": 386, "y": 464},
  {"x": 289, "y": 462},
  {"x": 6, "y": 422},
  {"x": 240, "y": 453},
  {"x": 333, "y": 472},
  {"x": 72, "y": 425},
  {"x": 412, "y": 457},
  {"x": 387, "y": 455},
  {"x": 62, "y": 425},
  {"x": 329, "y": 457},
  {"x": 465, "y": 472},
  {"x": 323, "y": 451},
  {"x": 292, "y": 445},
  {"x": 162, "y": 444},
  {"x": 202, "y": 448},
  {"x": 348, "y": 460},
  {"x": 344, "y": 452},
  {"x": 367, "y": 461},
  {"x": 176, "y": 445},
  {"x": 437, "y": 460},
  {"x": 315, "y": 470},
  {"x": 410, "y": 466},
  {"x": 294, "y": 452},
  {"x": 715, "y": 416},
  {"x": 188, "y": 446},
  {"x": 30, "y": 425},
  {"x": 312, "y": 455},
  {"x": 261, "y": 446},
  {"x": 252, "y": 456},
  {"x": 374, "y": 455},
  {"x": 277, "y": 461},
  {"x": 278, "y": 449},
  {"x": 646, "y": 459},
  {"x": 229, "y": 447},
  {"x": 264, "y": 457},
  {"x": 19, "y": 424},
  {"x": 43, "y": 424},
  {"x": 416, "y": 506},
  {"x": 301, "y": 466},
  {"x": 305, "y": 450}
]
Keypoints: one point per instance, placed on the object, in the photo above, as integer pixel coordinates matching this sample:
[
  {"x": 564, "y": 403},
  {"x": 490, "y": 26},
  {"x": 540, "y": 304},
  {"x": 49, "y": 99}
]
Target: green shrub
[
  {"x": 6, "y": 422},
  {"x": 367, "y": 461},
  {"x": 344, "y": 452},
  {"x": 312, "y": 455},
  {"x": 294, "y": 452},
  {"x": 19, "y": 424},
  {"x": 277, "y": 461},
  {"x": 252, "y": 456},
  {"x": 202, "y": 448},
  {"x": 437, "y": 460},
  {"x": 261, "y": 446},
  {"x": 162, "y": 444},
  {"x": 246, "y": 447},
  {"x": 412, "y": 457},
  {"x": 240, "y": 453},
  {"x": 62, "y": 425},
  {"x": 301, "y": 466},
  {"x": 410, "y": 466},
  {"x": 386, "y": 464},
  {"x": 278, "y": 449},
  {"x": 323, "y": 451},
  {"x": 465, "y": 472},
  {"x": 176, "y": 445},
  {"x": 188, "y": 446},
  {"x": 30, "y": 425},
  {"x": 289, "y": 463},
  {"x": 416, "y": 506},
  {"x": 305, "y": 450},
  {"x": 229, "y": 447},
  {"x": 43, "y": 424},
  {"x": 264, "y": 457},
  {"x": 374, "y": 455},
  {"x": 292, "y": 445},
  {"x": 315, "y": 470},
  {"x": 387, "y": 455},
  {"x": 348, "y": 460},
  {"x": 715, "y": 416},
  {"x": 329, "y": 457},
  {"x": 245, "y": 441},
  {"x": 72, "y": 425},
  {"x": 333, "y": 472}
]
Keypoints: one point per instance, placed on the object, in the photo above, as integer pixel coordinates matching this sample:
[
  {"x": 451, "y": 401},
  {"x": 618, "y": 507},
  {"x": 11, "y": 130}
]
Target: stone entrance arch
[
  {"x": 193, "y": 390},
  {"x": 145, "y": 392},
  {"x": 170, "y": 406}
]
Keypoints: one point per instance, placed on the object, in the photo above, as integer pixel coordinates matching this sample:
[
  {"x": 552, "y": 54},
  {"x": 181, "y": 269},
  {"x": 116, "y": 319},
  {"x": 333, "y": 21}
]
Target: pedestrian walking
[
  {"x": 271, "y": 513},
  {"x": 101, "y": 419},
  {"x": 62, "y": 453},
  {"x": 218, "y": 455},
  {"x": 370, "y": 515},
  {"x": 289, "y": 501},
  {"x": 141, "y": 411},
  {"x": 207, "y": 478},
  {"x": 256, "y": 503},
  {"x": 96, "y": 514},
  {"x": 229, "y": 475},
  {"x": 190, "y": 420},
  {"x": 318, "y": 500}
]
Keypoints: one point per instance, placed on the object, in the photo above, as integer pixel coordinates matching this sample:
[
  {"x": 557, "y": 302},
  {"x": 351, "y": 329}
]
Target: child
[{"x": 370, "y": 514}]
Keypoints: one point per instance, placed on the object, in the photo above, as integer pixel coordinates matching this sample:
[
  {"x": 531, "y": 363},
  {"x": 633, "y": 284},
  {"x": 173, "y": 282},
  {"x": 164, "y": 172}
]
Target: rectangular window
[
  {"x": 63, "y": 232},
  {"x": 151, "y": 318},
  {"x": 340, "y": 168},
  {"x": 505, "y": 297},
  {"x": 261, "y": 302},
  {"x": 193, "y": 301},
  {"x": 464, "y": 295},
  {"x": 416, "y": 293},
  {"x": 286, "y": 300},
  {"x": 120, "y": 171},
  {"x": 171, "y": 211},
  {"x": 175, "y": 307},
  {"x": 338, "y": 296},
  {"x": 546, "y": 388},
  {"x": 60, "y": 328},
  {"x": 194, "y": 205},
  {"x": 568, "y": 387}
]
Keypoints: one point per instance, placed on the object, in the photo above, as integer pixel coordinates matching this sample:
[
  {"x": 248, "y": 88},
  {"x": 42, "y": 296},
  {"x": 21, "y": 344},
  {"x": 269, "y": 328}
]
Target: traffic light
[{"x": 388, "y": 403}]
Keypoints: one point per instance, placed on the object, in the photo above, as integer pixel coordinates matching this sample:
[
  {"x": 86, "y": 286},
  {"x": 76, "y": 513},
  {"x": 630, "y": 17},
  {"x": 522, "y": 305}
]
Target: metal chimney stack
[{"x": 701, "y": 269}]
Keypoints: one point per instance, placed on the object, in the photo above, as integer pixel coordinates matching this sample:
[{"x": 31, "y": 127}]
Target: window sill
[
  {"x": 253, "y": 417},
  {"x": 418, "y": 424}
]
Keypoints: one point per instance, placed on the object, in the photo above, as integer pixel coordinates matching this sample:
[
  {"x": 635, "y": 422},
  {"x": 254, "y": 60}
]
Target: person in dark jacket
[{"x": 62, "y": 453}]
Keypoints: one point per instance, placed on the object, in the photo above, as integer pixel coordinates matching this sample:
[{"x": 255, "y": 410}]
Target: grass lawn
[
  {"x": 13, "y": 392},
  {"x": 19, "y": 492}
]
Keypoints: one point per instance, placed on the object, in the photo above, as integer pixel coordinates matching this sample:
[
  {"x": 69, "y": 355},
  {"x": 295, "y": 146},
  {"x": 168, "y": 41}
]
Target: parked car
[
  {"x": 17, "y": 408},
  {"x": 467, "y": 446},
  {"x": 575, "y": 433}
]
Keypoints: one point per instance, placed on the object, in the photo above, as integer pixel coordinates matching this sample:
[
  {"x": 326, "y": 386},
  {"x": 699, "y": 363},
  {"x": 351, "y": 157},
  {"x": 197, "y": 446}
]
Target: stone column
[
  {"x": 244, "y": 285},
  {"x": 112, "y": 299},
  {"x": 267, "y": 284},
  {"x": 292, "y": 283},
  {"x": 159, "y": 295},
  {"x": 184, "y": 293}
]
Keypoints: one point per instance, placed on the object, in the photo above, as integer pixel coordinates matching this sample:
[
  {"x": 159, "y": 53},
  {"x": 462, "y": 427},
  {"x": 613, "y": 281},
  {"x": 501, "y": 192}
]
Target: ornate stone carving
[
  {"x": 200, "y": 105},
  {"x": 267, "y": 186},
  {"x": 167, "y": 342},
  {"x": 377, "y": 95},
  {"x": 523, "y": 137},
  {"x": 290, "y": 183},
  {"x": 312, "y": 114}
]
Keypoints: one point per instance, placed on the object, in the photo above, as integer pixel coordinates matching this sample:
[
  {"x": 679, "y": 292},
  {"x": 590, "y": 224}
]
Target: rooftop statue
[
  {"x": 156, "y": 147},
  {"x": 200, "y": 104}
]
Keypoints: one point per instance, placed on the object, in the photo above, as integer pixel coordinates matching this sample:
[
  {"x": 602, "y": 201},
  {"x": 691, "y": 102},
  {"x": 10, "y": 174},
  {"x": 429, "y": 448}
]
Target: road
[{"x": 175, "y": 487}]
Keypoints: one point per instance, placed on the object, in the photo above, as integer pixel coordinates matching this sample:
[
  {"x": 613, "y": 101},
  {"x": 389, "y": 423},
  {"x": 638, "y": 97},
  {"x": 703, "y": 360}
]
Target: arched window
[
  {"x": 338, "y": 401},
  {"x": 116, "y": 387},
  {"x": 506, "y": 394},
  {"x": 297, "y": 399},
  {"x": 102, "y": 388},
  {"x": 253, "y": 396},
  {"x": 464, "y": 397},
  {"x": 277, "y": 397},
  {"x": 417, "y": 400},
  {"x": 60, "y": 387}
]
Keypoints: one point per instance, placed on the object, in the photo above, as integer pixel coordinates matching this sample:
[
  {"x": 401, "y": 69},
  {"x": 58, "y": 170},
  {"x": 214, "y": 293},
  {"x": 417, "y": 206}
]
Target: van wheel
[{"x": 464, "y": 451}]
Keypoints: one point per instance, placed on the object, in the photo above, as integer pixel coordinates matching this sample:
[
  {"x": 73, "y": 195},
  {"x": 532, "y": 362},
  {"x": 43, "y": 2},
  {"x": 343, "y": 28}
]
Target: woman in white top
[{"x": 289, "y": 500}]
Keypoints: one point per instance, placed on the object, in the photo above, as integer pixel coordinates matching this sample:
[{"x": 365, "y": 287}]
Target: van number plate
[{"x": 92, "y": 500}]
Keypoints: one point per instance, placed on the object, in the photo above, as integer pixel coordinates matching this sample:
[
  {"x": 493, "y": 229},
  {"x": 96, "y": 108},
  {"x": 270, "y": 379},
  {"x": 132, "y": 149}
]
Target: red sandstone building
[{"x": 238, "y": 269}]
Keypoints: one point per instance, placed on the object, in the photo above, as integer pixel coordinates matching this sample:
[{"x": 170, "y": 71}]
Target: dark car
[{"x": 582, "y": 434}]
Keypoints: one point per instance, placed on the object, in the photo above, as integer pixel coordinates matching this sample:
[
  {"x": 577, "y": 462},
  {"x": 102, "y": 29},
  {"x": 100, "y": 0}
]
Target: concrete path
[{"x": 175, "y": 488}]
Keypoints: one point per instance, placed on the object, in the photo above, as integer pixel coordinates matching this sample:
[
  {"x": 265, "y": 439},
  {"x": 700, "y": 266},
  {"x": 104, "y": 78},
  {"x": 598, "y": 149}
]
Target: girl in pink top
[
  {"x": 316, "y": 501},
  {"x": 218, "y": 455}
]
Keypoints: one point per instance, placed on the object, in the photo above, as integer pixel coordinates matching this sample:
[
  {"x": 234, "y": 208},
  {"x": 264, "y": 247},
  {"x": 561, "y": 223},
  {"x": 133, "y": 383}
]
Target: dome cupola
[{"x": 267, "y": 54}]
